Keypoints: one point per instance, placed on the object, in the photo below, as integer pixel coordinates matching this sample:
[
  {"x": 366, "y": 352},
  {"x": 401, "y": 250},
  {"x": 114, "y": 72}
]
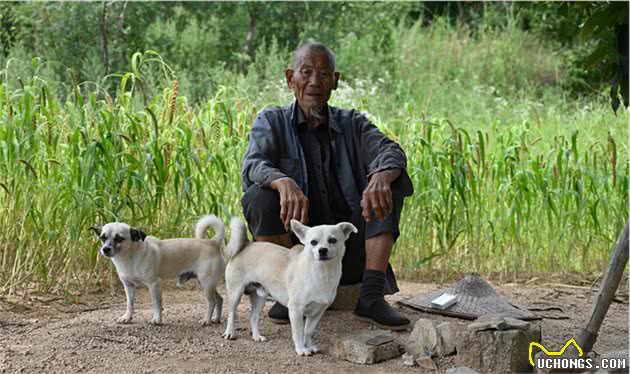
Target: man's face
[{"x": 313, "y": 81}]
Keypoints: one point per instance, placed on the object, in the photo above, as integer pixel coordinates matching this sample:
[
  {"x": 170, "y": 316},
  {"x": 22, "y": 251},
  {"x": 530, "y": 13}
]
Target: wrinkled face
[
  {"x": 324, "y": 242},
  {"x": 117, "y": 237},
  {"x": 313, "y": 81}
]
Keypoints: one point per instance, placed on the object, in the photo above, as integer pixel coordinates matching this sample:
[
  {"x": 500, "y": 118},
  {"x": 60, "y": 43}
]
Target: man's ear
[
  {"x": 336, "y": 80},
  {"x": 299, "y": 230},
  {"x": 288, "y": 74},
  {"x": 97, "y": 229},
  {"x": 137, "y": 235},
  {"x": 347, "y": 228}
]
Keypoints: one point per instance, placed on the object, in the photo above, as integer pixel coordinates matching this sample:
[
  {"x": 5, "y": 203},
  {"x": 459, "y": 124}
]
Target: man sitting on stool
[{"x": 323, "y": 165}]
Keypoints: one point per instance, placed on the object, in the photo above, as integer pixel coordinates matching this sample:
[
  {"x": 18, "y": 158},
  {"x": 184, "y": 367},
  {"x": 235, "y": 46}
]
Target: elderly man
[{"x": 322, "y": 165}]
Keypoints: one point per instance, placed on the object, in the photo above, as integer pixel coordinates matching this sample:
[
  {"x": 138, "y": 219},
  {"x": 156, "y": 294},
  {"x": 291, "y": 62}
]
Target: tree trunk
[
  {"x": 607, "y": 289},
  {"x": 460, "y": 13},
  {"x": 103, "y": 27},
  {"x": 247, "y": 46},
  {"x": 121, "y": 33}
]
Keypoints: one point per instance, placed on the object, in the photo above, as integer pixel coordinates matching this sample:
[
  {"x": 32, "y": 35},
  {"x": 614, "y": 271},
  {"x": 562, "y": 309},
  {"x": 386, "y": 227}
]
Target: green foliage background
[{"x": 519, "y": 164}]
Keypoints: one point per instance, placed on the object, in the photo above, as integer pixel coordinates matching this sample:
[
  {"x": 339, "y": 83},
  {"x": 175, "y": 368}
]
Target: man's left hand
[{"x": 377, "y": 196}]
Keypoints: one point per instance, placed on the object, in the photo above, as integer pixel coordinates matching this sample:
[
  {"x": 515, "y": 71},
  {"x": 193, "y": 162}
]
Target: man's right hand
[{"x": 293, "y": 202}]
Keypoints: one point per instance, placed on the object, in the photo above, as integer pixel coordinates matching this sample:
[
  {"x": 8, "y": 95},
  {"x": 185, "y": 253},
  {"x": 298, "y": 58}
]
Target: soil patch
[{"x": 47, "y": 335}]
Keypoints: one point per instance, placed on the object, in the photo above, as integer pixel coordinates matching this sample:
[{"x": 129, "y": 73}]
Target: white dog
[
  {"x": 141, "y": 259},
  {"x": 304, "y": 279}
]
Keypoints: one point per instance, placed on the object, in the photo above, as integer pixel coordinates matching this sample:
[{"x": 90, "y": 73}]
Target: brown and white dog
[{"x": 141, "y": 259}]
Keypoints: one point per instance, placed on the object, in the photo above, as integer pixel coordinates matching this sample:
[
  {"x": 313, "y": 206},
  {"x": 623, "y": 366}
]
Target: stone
[
  {"x": 433, "y": 338},
  {"x": 346, "y": 298},
  {"x": 461, "y": 370},
  {"x": 426, "y": 363},
  {"x": 497, "y": 322},
  {"x": 535, "y": 332},
  {"x": 423, "y": 340},
  {"x": 367, "y": 347},
  {"x": 448, "y": 333},
  {"x": 496, "y": 351},
  {"x": 516, "y": 324},
  {"x": 408, "y": 360}
]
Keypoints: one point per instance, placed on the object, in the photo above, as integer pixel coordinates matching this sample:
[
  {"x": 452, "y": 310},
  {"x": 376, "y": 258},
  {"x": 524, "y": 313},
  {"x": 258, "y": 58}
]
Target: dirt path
[{"x": 56, "y": 338}]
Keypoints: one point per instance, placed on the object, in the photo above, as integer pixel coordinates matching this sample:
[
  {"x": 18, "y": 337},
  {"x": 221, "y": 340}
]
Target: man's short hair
[{"x": 299, "y": 53}]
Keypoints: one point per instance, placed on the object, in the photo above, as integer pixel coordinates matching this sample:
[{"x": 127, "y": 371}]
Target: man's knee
[
  {"x": 388, "y": 224},
  {"x": 260, "y": 199},
  {"x": 261, "y": 208}
]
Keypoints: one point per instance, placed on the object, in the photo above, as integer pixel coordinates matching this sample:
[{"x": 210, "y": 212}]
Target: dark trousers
[{"x": 261, "y": 207}]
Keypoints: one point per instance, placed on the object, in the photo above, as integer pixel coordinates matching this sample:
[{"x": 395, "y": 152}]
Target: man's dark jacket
[{"x": 359, "y": 149}]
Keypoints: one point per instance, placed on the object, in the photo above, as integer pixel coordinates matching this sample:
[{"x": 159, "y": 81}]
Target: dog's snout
[
  {"x": 107, "y": 250},
  {"x": 323, "y": 251}
]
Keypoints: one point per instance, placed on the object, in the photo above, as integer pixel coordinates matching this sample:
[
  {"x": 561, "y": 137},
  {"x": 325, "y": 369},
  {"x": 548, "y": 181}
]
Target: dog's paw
[
  {"x": 212, "y": 321},
  {"x": 259, "y": 338},
  {"x": 124, "y": 319},
  {"x": 155, "y": 321},
  {"x": 304, "y": 352},
  {"x": 229, "y": 335},
  {"x": 314, "y": 349}
]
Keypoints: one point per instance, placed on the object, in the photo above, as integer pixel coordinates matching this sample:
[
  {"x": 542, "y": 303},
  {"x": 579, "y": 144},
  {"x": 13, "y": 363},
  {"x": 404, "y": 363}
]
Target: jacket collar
[{"x": 332, "y": 120}]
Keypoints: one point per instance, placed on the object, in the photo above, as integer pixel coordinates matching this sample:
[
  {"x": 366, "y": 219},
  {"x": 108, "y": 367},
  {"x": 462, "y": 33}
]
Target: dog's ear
[
  {"x": 347, "y": 228},
  {"x": 97, "y": 229},
  {"x": 137, "y": 235},
  {"x": 299, "y": 230}
]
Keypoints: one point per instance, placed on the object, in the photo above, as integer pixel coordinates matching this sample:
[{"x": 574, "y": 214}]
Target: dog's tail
[
  {"x": 202, "y": 226},
  {"x": 238, "y": 238}
]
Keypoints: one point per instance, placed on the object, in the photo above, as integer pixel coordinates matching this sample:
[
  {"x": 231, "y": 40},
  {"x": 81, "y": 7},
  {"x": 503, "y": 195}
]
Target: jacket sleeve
[
  {"x": 381, "y": 153},
  {"x": 260, "y": 162}
]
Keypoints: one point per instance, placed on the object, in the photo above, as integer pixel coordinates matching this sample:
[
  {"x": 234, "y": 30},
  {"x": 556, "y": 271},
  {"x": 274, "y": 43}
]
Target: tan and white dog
[
  {"x": 141, "y": 259},
  {"x": 304, "y": 279}
]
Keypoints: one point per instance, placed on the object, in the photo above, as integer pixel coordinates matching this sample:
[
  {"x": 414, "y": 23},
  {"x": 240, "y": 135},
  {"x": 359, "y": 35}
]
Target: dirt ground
[{"x": 40, "y": 335}]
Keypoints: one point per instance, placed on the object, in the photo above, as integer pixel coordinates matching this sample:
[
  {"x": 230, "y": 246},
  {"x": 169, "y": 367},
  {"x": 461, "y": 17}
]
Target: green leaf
[
  {"x": 599, "y": 54},
  {"x": 614, "y": 97},
  {"x": 598, "y": 21}
]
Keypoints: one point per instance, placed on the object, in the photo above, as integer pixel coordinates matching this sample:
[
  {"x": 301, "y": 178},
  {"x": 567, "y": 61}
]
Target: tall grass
[
  {"x": 510, "y": 175},
  {"x": 495, "y": 200},
  {"x": 66, "y": 165}
]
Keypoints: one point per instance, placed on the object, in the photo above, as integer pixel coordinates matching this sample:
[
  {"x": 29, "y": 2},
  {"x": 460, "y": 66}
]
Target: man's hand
[
  {"x": 293, "y": 202},
  {"x": 377, "y": 196}
]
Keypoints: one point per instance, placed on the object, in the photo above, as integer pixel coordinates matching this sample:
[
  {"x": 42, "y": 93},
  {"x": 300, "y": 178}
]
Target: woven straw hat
[{"x": 475, "y": 297}]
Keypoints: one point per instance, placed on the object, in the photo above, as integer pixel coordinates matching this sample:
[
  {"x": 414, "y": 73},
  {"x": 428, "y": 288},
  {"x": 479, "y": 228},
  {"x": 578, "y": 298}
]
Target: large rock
[
  {"x": 496, "y": 343},
  {"x": 368, "y": 347},
  {"x": 448, "y": 332},
  {"x": 492, "y": 351},
  {"x": 423, "y": 340},
  {"x": 433, "y": 338}
]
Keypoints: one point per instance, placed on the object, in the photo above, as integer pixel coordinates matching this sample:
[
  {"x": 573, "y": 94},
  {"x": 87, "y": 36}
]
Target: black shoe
[
  {"x": 372, "y": 306},
  {"x": 279, "y": 314},
  {"x": 381, "y": 315}
]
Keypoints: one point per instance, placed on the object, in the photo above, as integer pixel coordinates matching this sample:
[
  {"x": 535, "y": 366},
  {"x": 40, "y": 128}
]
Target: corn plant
[{"x": 499, "y": 197}]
